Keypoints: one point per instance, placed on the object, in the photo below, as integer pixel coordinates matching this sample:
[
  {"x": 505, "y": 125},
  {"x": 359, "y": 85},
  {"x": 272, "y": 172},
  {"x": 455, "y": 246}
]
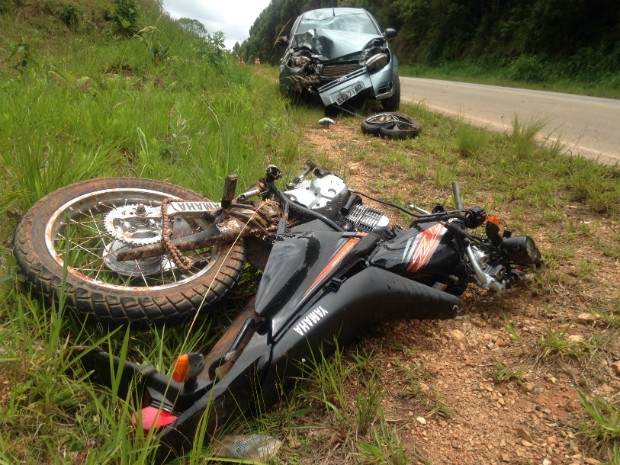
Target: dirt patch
[{"x": 491, "y": 392}]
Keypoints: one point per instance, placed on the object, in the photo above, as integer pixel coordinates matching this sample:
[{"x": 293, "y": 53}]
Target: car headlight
[
  {"x": 300, "y": 60},
  {"x": 377, "y": 61}
]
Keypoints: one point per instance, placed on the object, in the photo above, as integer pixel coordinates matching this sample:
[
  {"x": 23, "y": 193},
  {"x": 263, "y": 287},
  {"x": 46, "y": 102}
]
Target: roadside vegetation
[
  {"x": 541, "y": 44},
  {"x": 525, "y": 72},
  {"x": 98, "y": 88}
]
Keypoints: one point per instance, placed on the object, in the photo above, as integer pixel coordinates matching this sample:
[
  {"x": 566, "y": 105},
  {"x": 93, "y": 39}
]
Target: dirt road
[{"x": 588, "y": 126}]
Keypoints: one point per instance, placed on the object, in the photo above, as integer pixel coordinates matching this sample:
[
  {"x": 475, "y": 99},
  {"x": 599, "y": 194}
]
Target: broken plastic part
[{"x": 248, "y": 447}]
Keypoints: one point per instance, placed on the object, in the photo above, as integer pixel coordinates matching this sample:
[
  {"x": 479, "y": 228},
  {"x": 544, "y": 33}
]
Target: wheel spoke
[{"x": 84, "y": 241}]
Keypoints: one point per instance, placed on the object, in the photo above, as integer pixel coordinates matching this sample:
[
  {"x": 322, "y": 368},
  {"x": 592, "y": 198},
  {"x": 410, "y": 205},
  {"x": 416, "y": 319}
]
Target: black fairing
[
  {"x": 418, "y": 254},
  {"x": 367, "y": 298},
  {"x": 298, "y": 267}
]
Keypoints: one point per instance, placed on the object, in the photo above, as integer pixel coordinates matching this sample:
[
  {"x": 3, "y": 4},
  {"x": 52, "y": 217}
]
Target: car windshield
[{"x": 354, "y": 22}]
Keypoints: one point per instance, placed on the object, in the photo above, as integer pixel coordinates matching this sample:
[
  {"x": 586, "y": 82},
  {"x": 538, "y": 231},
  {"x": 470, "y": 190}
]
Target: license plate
[{"x": 349, "y": 92}]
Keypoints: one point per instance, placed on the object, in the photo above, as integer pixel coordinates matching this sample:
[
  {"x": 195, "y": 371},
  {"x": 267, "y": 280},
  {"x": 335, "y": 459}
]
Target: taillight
[{"x": 152, "y": 418}]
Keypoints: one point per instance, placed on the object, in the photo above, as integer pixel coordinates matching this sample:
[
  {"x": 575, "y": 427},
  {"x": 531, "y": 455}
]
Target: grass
[
  {"x": 551, "y": 79},
  {"x": 160, "y": 105},
  {"x": 601, "y": 424}
]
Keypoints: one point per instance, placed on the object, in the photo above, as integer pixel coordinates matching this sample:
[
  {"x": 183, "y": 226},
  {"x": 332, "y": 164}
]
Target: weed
[
  {"x": 504, "y": 374},
  {"x": 158, "y": 51},
  {"x": 601, "y": 419},
  {"x": 385, "y": 447},
  {"x": 528, "y": 68},
  {"x": 559, "y": 344},
  {"x": 22, "y": 55},
  {"x": 331, "y": 377},
  {"x": 511, "y": 330},
  {"x": 470, "y": 141},
  {"x": 126, "y": 15},
  {"x": 524, "y": 137}
]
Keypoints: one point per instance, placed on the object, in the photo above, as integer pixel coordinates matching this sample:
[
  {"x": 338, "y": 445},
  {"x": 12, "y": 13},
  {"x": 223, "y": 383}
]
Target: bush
[
  {"x": 528, "y": 68},
  {"x": 126, "y": 15},
  {"x": 70, "y": 15}
]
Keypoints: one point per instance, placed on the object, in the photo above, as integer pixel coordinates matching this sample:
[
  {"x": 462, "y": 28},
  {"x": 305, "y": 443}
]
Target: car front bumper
[{"x": 379, "y": 84}]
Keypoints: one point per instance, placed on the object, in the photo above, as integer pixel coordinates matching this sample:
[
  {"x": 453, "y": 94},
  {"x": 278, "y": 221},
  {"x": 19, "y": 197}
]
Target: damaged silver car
[{"x": 338, "y": 54}]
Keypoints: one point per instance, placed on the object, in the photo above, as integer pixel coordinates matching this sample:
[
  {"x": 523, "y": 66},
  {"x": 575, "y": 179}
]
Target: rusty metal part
[
  {"x": 257, "y": 252},
  {"x": 239, "y": 221},
  {"x": 135, "y": 224},
  {"x": 182, "y": 263},
  {"x": 215, "y": 359}
]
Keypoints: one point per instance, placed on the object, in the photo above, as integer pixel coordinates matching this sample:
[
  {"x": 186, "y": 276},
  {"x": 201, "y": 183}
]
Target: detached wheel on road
[
  {"x": 392, "y": 125},
  {"x": 67, "y": 244}
]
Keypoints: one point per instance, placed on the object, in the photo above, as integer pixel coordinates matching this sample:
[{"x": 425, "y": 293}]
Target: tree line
[{"x": 582, "y": 35}]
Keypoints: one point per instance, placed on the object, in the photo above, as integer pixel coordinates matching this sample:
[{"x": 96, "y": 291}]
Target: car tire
[{"x": 392, "y": 103}]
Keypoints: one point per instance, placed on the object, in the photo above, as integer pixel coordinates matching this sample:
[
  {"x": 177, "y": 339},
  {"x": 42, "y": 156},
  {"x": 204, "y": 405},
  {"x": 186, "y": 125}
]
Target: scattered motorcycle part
[
  {"x": 326, "y": 122},
  {"x": 392, "y": 125},
  {"x": 67, "y": 246},
  {"x": 248, "y": 447}
]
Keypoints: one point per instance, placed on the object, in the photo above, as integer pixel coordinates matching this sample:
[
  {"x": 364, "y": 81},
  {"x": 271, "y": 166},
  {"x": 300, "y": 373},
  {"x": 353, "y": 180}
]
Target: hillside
[{"x": 530, "y": 41}]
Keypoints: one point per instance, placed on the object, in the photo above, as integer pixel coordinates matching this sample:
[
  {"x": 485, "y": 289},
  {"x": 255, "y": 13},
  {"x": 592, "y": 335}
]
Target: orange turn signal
[
  {"x": 181, "y": 369},
  {"x": 494, "y": 220}
]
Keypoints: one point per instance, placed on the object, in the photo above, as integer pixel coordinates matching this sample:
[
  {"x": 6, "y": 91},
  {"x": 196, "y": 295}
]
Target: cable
[{"x": 388, "y": 204}]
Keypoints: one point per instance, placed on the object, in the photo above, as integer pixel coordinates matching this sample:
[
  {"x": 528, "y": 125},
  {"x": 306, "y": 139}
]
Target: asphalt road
[{"x": 588, "y": 126}]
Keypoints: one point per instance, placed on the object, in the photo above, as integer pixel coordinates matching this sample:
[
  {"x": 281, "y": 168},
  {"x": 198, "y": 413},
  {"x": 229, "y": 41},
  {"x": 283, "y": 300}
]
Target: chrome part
[
  {"x": 367, "y": 219},
  {"x": 134, "y": 224},
  {"x": 478, "y": 259},
  {"x": 133, "y": 268},
  {"x": 317, "y": 193}
]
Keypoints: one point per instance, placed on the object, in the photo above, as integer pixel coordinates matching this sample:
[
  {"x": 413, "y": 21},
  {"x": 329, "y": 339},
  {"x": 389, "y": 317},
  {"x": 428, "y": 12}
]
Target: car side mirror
[
  {"x": 390, "y": 33},
  {"x": 282, "y": 40}
]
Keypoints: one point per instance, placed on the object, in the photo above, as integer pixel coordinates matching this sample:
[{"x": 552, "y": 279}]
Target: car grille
[{"x": 335, "y": 71}]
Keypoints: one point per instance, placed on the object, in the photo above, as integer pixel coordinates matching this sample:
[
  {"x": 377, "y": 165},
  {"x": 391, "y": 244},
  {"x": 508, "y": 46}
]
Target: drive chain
[{"x": 182, "y": 262}]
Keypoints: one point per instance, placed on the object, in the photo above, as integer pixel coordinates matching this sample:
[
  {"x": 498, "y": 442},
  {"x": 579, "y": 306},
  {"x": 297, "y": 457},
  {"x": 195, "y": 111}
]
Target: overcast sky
[{"x": 232, "y": 17}]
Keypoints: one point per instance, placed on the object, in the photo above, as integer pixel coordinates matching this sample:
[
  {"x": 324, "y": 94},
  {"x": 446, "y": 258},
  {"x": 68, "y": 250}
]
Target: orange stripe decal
[
  {"x": 335, "y": 261},
  {"x": 425, "y": 247}
]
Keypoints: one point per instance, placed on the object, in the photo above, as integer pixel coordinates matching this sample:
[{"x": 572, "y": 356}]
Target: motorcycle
[{"x": 125, "y": 250}]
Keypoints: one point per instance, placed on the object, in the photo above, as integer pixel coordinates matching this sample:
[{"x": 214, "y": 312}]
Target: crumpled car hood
[{"x": 329, "y": 44}]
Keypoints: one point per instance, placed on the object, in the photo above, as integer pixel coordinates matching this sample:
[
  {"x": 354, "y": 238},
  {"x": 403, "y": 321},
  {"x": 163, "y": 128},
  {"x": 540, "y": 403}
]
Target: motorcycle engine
[
  {"x": 319, "y": 193},
  {"x": 328, "y": 195}
]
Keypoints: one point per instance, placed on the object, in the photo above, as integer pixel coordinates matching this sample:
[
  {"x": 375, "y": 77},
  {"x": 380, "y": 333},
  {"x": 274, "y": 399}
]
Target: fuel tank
[{"x": 428, "y": 253}]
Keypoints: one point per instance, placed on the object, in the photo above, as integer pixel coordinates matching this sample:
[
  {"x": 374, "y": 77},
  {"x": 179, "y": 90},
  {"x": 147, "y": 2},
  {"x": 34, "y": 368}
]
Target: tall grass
[{"x": 77, "y": 104}]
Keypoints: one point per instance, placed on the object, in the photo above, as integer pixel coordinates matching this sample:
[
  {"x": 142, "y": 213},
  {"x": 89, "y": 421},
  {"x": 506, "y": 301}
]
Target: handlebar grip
[{"x": 230, "y": 186}]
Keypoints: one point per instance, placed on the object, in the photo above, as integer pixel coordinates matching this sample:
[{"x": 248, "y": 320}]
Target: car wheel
[{"x": 392, "y": 103}]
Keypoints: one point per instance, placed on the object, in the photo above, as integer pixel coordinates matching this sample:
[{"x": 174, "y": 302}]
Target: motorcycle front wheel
[
  {"x": 392, "y": 125},
  {"x": 66, "y": 245}
]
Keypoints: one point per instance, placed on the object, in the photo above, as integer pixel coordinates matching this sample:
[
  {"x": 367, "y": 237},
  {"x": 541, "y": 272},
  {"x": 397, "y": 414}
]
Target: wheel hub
[
  {"x": 133, "y": 268},
  {"x": 135, "y": 224}
]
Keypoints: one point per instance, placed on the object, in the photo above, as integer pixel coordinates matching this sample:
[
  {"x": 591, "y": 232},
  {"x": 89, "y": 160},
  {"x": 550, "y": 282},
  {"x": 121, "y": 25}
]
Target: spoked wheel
[
  {"x": 392, "y": 125},
  {"x": 67, "y": 245}
]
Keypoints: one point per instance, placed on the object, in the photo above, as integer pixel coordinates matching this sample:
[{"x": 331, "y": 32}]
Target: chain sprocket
[{"x": 135, "y": 224}]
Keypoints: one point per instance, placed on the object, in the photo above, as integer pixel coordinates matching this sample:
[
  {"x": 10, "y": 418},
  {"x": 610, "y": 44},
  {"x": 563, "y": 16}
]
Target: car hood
[{"x": 329, "y": 44}]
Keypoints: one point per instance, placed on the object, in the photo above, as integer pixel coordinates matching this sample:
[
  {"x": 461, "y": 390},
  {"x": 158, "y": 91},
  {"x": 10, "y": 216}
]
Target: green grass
[
  {"x": 521, "y": 74},
  {"x": 79, "y": 100}
]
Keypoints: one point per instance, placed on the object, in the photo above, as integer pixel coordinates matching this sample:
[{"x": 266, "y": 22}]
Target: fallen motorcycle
[{"x": 332, "y": 268}]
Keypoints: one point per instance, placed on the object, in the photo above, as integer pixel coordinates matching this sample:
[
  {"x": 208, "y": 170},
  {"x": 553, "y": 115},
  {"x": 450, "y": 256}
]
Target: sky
[{"x": 233, "y": 17}]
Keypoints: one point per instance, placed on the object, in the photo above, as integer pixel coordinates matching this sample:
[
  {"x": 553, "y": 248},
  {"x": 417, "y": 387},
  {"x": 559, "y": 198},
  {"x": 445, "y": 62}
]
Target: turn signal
[
  {"x": 493, "y": 219},
  {"x": 187, "y": 367}
]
